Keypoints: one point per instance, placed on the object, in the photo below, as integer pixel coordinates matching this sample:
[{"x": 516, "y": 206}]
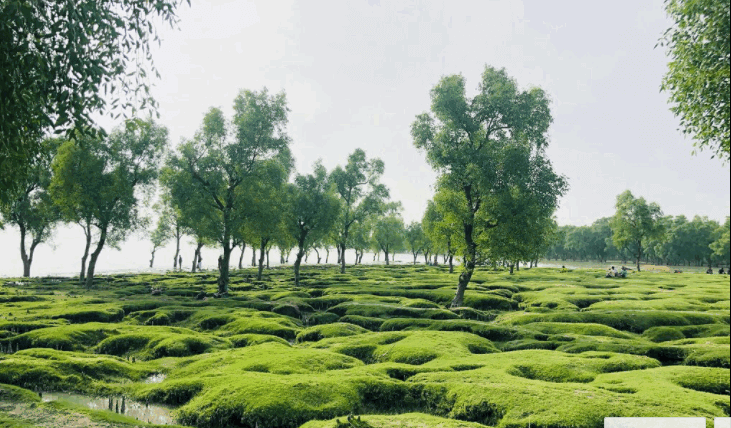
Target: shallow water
[
  {"x": 156, "y": 378},
  {"x": 152, "y": 413}
]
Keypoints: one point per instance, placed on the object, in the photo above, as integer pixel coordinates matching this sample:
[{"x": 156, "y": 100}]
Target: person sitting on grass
[
  {"x": 721, "y": 271},
  {"x": 709, "y": 271},
  {"x": 611, "y": 273}
]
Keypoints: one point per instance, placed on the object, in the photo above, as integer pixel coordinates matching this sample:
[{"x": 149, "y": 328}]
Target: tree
[
  {"x": 414, "y": 238},
  {"x": 634, "y": 221},
  {"x": 62, "y": 60},
  {"x": 360, "y": 193},
  {"x": 104, "y": 178},
  {"x": 266, "y": 206},
  {"x": 314, "y": 208},
  {"x": 218, "y": 164},
  {"x": 389, "y": 234},
  {"x": 699, "y": 45},
  {"x": 720, "y": 246},
  {"x": 30, "y": 206},
  {"x": 160, "y": 235},
  {"x": 485, "y": 146}
]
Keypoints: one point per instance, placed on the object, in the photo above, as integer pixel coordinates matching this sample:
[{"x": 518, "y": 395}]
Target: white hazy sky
[{"x": 356, "y": 73}]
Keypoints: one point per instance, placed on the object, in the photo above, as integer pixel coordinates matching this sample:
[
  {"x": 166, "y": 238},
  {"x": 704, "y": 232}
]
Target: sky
[{"x": 357, "y": 73}]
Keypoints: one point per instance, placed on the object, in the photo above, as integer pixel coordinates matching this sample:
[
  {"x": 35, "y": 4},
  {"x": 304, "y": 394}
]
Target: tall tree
[
  {"x": 474, "y": 143},
  {"x": 389, "y": 234},
  {"x": 30, "y": 206},
  {"x": 217, "y": 164},
  {"x": 160, "y": 235},
  {"x": 414, "y": 237},
  {"x": 312, "y": 213},
  {"x": 360, "y": 192},
  {"x": 62, "y": 61},
  {"x": 721, "y": 245},
  {"x": 104, "y": 179},
  {"x": 699, "y": 45},
  {"x": 634, "y": 221}
]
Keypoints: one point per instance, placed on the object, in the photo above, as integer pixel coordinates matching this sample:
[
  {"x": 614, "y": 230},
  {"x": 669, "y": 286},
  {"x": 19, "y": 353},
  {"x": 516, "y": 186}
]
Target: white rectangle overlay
[
  {"x": 722, "y": 423},
  {"x": 655, "y": 422}
]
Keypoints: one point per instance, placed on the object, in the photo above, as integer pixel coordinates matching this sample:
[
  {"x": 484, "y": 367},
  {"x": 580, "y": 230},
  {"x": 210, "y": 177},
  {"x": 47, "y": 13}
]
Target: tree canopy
[
  {"x": 487, "y": 148},
  {"x": 634, "y": 221},
  {"x": 699, "y": 45},
  {"x": 219, "y": 170},
  {"x": 62, "y": 61}
]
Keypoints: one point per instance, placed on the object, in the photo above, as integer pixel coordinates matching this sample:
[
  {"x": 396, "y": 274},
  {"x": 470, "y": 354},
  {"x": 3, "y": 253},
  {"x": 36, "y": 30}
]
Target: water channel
[{"x": 151, "y": 413}]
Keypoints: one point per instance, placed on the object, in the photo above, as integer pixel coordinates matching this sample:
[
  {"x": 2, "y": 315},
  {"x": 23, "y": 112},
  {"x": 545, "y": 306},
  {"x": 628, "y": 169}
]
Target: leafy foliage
[
  {"x": 699, "y": 45},
  {"x": 60, "y": 61}
]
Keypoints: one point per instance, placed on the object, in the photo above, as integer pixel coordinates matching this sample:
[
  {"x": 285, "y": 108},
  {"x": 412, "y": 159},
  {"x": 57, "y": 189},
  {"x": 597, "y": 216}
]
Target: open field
[{"x": 540, "y": 348}]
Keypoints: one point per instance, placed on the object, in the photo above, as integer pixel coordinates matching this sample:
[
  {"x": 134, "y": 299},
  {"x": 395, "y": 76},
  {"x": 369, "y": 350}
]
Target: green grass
[{"x": 542, "y": 347}]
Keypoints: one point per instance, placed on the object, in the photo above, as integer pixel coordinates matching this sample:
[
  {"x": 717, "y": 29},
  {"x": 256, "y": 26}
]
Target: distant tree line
[{"x": 660, "y": 240}]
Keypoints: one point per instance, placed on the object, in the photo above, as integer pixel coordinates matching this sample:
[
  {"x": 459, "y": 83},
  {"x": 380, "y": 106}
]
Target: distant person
[
  {"x": 611, "y": 273},
  {"x": 180, "y": 262},
  {"x": 721, "y": 271},
  {"x": 200, "y": 260},
  {"x": 709, "y": 271}
]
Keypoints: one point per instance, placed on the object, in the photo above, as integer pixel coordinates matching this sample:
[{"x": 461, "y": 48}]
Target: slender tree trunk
[
  {"x": 152, "y": 260},
  {"x": 512, "y": 265},
  {"x": 415, "y": 256},
  {"x": 468, "y": 267},
  {"x": 23, "y": 253},
  {"x": 223, "y": 268},
  {"x": 87, "y": 233},
  {"x": 241, "y": 257},
  {"x": 318, "y": 255},
  {"x": 253, "y": 256},
  {"x": 451, "y": 264},
  {"x": 639, "y": 254},
  {"x": 267, "y": 252},
  {"x": 262, "y": 254},
  {"x": 342, "y": 257},
  {"x": 94, "y": 257},
  {"x": 177, "y": 250},
  {"x": 385, "y": 252},
  {"x": 517, "y": 266},
  {"x": 298, "y": 259},
  {"x": 197, "y": 256},
  {"x": 436, "y": 259},
  {"x": 327, "y": 254},
  {"x": 307, "y": 255}
]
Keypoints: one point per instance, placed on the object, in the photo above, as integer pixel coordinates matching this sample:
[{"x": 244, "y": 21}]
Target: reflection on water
[
  {"x": 156, "y": 378},
  {"x": 152, "y": 413}
]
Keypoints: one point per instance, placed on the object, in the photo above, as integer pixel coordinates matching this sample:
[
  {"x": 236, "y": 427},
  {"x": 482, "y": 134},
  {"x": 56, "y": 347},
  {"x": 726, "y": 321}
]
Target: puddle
[
  {"x": 152, "y": 413},
  {"x": 156, "y": 378}
]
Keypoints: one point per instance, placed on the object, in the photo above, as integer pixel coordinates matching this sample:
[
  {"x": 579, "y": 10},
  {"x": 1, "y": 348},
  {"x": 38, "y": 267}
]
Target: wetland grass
[{"x": 541, "y": 347}]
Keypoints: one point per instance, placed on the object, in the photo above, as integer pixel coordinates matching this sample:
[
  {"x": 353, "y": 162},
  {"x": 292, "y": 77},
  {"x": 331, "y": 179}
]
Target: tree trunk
[
  {"x": 23, "y": 254},
  {"x": 253, "y": 256},
  {"x": 262, "y": 254},
  {"x": 177, "y": 250},
  {"x": 94, "y": 257},
  {"x": 385, "y": 252},
  {"x": 342, "y": 258},
  {"x": 415, "y": 256},
  {"x": 87, "y": 233},
  {"x": 468, "y": 265},
  {"x": 517, "y": 266},
  {"x": 297, "y": 263},
  {"x": 512, "y": 265},
  {"x": 152, "y": 260},
  {"x": 223, "y": 269},
  {"x": 639, "y": 254},
  {"x": 360, "y": 260},
  {"x": 436, "y": 259},
  {"x": 318, "y": 255},
  {"x": 451, "y": 264},
  {"x": 327, "y": 254},
  {"x": 267, "y": 258},
  {"x": 197, "y": 256},
  {"x": 307, "y": 255},
  {"x": 241, "y": 257},
  {"x": 298, "y": 260}
]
